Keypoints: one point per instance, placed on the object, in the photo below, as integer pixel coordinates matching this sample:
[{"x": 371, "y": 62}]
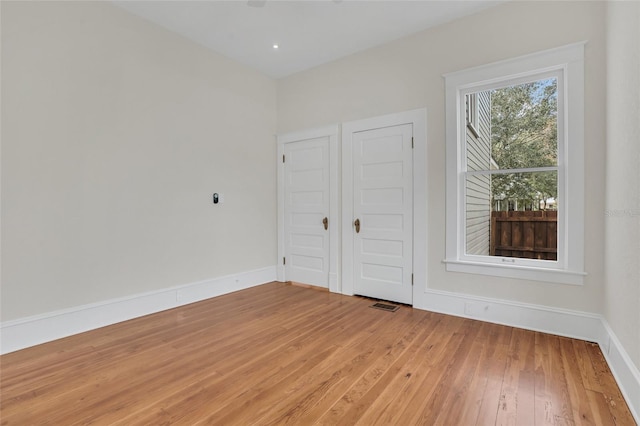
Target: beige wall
[
  {"x": 622, "y": 214},
  {"x": 115, "y": 134},
  {"x": 407, "y": 74}
]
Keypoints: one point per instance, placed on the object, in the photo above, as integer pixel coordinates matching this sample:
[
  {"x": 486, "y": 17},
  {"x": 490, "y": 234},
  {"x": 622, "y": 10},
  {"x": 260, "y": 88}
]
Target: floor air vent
[{"x": 385, "y": 307}]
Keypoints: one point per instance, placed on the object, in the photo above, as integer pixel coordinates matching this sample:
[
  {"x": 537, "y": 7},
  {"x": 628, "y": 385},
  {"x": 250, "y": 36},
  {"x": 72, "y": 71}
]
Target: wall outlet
[
  {"x": 475, "y": 309},
  {"x": 468, "y": 308}
]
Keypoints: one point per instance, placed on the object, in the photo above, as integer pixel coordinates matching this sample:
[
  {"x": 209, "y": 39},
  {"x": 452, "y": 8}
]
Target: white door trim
[
  {"x": 418, "y": 118},
  {"x": 332, "y": 133}
]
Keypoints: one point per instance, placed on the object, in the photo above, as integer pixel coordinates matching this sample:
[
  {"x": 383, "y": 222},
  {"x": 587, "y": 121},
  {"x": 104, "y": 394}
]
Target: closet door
[
  {"x": 308, "y": 215},
  {"x": 382, "y": 228},
  {"x": 306, "y": 211}
]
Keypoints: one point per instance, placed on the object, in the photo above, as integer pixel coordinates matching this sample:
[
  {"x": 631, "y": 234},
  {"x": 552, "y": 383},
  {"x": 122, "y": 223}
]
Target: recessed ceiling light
[{"x": 275, "y": 46}]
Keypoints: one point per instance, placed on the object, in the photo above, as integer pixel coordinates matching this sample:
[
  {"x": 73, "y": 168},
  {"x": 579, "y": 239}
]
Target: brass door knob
[
  {"x": 325, "y": 222},
  {"x": 357, "y": 225}
]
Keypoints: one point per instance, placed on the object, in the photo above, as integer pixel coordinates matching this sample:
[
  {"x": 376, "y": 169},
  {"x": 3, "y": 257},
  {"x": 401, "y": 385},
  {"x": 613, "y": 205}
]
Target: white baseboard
[
  {"x": 25, "y": 332},
  {"x": 562, "y": 322},
  {"x": 625, "y": 372}
]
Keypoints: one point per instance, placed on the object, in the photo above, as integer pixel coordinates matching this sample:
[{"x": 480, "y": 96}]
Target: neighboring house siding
[{"x": 478, "y": 215}]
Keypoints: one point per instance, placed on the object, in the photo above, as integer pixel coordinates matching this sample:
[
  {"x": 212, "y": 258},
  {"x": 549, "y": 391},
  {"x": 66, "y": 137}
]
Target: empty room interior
[{"x": 320, "y": 212}]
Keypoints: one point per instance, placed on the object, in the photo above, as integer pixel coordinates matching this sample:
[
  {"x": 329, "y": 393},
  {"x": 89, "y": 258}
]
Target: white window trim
[{"x": 569, "y": 269}]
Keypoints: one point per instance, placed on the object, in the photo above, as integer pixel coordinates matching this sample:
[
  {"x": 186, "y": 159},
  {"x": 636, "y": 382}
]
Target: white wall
[
  {"x": 115, "y": 134},
  {"x": 622, "y": 206},
  {"x": 407, "y": 74}
]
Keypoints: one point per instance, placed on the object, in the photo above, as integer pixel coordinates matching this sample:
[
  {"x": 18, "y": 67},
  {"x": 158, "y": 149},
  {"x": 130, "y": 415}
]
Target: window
[{"x": 515, "y": 170}]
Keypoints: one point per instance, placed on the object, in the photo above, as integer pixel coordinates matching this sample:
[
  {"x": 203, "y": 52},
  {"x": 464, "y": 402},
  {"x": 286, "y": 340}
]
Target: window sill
[{"x": 558, "y": 276}]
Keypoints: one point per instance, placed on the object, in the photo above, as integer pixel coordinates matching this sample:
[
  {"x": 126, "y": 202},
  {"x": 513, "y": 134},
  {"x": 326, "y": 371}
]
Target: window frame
[
  {"x": 567, "y": 65},
  {"x": 466, "y": 94}
]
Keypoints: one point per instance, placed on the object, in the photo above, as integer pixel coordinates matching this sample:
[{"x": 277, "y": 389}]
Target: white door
[
  {"x": 383, "y": 213},
  {"x": 306, "y": 211}
]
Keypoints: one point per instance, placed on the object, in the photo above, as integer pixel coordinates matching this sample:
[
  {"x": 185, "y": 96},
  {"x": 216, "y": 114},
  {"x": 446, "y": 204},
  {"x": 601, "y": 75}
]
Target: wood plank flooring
[{"x": 283, "y": 354}]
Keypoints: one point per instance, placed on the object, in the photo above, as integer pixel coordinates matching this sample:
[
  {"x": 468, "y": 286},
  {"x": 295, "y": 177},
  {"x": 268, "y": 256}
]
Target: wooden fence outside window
[{"x": 525, "y": 234}]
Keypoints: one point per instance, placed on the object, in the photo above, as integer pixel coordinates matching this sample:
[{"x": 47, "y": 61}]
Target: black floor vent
[{"x": 385, "y": 307}]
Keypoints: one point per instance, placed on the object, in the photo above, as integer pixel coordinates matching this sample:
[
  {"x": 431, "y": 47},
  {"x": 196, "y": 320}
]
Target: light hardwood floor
[{"x": 278, "y": 353}]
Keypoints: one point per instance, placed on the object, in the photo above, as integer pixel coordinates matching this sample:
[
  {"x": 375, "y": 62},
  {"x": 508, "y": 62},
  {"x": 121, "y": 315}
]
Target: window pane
[
  {"x": 516, "y": 127},
  {"x": 512, "y": 215},
  {"x": 524, "y": 125}
]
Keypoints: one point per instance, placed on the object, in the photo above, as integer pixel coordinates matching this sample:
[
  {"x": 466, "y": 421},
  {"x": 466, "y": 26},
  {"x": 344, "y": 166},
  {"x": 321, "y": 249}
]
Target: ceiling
[{"x": 308, "y": 33}]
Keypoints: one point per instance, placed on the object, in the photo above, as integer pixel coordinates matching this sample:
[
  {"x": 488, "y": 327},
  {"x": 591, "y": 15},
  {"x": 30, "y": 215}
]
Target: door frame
[
  {"x": 418, "y": 119},
  {"x": 332, "y": 132}
]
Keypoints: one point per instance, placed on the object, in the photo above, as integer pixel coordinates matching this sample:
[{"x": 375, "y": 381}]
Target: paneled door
[
  {"x": 306, "y": 211},
  {"x": 382, "y": 225}
]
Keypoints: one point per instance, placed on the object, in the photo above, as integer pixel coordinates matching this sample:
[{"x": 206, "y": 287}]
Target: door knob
[
  {"x": 325, "y": 222},
  {"x": 357, "y": 225}
]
